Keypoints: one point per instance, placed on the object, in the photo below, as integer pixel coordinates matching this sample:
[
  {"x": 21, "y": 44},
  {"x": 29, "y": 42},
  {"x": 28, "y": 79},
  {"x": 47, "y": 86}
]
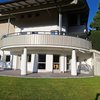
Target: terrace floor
[{"x": 16, "y": 73}]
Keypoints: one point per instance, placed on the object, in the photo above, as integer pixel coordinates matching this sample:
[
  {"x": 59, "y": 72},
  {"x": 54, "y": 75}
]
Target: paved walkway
[{"x": 16, "y": 73}]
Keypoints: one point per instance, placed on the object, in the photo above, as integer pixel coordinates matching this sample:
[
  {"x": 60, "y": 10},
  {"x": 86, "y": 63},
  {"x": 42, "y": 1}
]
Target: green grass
[{"x": 49, "y": 89}]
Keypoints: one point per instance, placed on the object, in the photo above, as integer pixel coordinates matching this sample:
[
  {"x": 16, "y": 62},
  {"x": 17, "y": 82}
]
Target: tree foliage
[
  {"x": 95, "y": 33},
  {"x": 96, "y": 20}
]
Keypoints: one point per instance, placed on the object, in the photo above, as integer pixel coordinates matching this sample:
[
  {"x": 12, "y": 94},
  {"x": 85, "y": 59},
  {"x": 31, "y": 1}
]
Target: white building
[{"x": 47, "y": 36}]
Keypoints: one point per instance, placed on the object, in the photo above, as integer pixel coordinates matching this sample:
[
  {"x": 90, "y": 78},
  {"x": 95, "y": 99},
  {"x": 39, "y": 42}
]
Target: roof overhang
[{"x": 22, "y": 6}]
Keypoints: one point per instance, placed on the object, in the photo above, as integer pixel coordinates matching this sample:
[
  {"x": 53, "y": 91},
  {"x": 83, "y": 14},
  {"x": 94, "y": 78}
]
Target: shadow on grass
[{"x": 97, "y": 96}]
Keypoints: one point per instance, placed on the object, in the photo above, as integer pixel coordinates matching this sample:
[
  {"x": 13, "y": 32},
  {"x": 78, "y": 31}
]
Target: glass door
[{"x": 55, "y": 62}]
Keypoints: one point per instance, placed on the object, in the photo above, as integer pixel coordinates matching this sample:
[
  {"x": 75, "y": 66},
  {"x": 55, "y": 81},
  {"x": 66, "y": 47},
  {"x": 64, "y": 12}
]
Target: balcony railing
[
  {"x": 41, "y": 38},
  {"x": 53, "y": 32}
]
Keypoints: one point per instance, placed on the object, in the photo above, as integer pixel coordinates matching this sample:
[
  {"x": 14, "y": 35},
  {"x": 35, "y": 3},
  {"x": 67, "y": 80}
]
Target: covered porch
[{"x": 51, "y": 60}]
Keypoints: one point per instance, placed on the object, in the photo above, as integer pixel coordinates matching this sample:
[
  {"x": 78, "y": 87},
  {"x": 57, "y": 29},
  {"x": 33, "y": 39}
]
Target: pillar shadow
[{"x": 97, "y": 96}]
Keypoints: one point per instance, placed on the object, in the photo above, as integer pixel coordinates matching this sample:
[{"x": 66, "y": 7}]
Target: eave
[{"x": 23, "y": 6}]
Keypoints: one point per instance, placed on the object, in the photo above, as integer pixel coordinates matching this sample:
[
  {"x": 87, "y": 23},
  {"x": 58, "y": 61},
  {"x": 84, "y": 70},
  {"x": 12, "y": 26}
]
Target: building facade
[{"x": 46, "y": 36}]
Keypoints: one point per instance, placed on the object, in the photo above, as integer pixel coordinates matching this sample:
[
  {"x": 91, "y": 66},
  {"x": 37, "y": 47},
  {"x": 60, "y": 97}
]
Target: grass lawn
[{"x": 49, "y": 89}]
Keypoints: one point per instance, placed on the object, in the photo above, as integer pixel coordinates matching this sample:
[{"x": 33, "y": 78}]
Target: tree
[
  {"x": 95, "y": 32},
  {"x": 96, "y": 20}
]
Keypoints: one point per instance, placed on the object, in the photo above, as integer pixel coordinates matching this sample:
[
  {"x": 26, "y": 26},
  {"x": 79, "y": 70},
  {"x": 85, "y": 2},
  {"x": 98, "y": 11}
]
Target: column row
[{"x": 49, "y": 63}]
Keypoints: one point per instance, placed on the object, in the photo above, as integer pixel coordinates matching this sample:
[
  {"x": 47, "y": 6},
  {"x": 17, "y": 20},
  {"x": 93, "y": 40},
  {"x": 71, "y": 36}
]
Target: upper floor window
[
  {"x": 22, "y": 16},
  {"x": 34, "y": 32},
  {"x": 83, "y": 19},
  {"x": 54, "y": 32},
  {"x": 72, "y": 20}
]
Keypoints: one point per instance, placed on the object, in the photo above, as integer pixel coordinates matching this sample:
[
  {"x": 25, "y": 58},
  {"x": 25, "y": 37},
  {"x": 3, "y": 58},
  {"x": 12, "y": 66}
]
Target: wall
[
  {"x": 96, "y": 63},
  {"x": 37, "y": 21},
  {"x": 4, "y": 29}
]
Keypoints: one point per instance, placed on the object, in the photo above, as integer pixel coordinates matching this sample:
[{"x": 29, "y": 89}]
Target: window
[
  {"x": 56, "y": 58},
  {"x": 41, "y": 61},
  {"x": 54, "y": 32},
  {"x": 29, "y": 15},
  {"x": 22, "y": 16},
  {"x": 29, "y": 58},
  {"x": 72, "y": 20},
  {"x": 68, "y": 62},
  {"x": 83, "y": 19},
  {"x": 34, "y": 32},
  {"x": 56, "y": 62},
  {"x": 23, "y": 33},
  {"x": 7, "y": 58}
]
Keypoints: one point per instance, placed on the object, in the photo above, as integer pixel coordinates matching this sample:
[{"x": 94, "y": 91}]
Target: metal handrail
[{"x": 40, "y": 33}]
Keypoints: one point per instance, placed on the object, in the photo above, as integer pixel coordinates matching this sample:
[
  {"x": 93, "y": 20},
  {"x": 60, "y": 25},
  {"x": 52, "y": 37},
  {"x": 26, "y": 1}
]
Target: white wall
[
  {"x": 32, "y": 66},
  {"x": 96, "y": 62},
  {"x": 49, "y": 62},
  {"x": 44, "y": 28}
]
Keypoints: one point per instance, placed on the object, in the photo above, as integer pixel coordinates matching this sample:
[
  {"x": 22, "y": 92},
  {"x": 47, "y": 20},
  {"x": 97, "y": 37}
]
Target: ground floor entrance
[{"x": 54, "y": 61}]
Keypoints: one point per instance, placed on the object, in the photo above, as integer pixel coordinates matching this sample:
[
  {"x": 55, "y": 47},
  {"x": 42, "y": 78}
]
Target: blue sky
[{"x": 93, "y": 4}]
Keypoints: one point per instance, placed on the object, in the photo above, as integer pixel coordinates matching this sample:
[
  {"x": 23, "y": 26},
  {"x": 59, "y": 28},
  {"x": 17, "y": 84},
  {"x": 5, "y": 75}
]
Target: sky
[{"x": 93, "y": 5}]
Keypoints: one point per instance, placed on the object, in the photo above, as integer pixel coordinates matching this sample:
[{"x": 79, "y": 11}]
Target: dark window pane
[
  {"x": 54, "y": 32},
  {"x": 83, "y": 19},
  {"x": 22, "y": 16},
  {"x": 72, "y": 20},
  {"x": 7, "y": 58},
  {"x": 42, "y": 58},
  {"x": 29, "y": 58},
  {"x": 41, "y": 61},
  {"x": 41, "y": 66},
  {"x": 29, "y": 15},
  {"x": 56, "y": 58},
  {"x": 23, "y": 33},
  {"x": 34, "y": 32}
]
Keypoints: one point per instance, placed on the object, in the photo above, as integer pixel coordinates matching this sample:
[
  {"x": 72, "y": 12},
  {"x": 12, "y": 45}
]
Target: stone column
[
  {"x": 34, "y": 62},
  {"x": 11, "y": 61},
  {"x": 49, "y": 62},
  {"x": 3, "y": 59},
  {"x": 60, "y": 23},
  {"x": 14, "y": 62},
  {"x": 73, "y": 63},
  {"x": 65, "y": 69},
  {"x": 24, "y": 62},
  {"x": 62, "y": 63}
]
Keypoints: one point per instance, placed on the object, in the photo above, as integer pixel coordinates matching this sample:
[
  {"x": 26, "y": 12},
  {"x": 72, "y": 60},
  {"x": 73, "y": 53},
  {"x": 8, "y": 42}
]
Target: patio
[{"x": 16, "y": 73}]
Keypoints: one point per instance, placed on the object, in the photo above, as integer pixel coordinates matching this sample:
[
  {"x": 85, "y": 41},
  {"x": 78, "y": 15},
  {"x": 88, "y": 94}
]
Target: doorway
[{"x": 55, "y": 62}]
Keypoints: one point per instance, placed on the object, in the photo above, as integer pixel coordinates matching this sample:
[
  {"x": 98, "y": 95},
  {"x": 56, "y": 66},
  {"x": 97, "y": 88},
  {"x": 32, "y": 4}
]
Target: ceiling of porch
[{"x": 19, "y": 6}]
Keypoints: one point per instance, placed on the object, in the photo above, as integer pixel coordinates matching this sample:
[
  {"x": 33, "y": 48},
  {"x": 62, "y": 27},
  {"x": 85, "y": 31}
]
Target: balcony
[{"x": 42, "y": 39}]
